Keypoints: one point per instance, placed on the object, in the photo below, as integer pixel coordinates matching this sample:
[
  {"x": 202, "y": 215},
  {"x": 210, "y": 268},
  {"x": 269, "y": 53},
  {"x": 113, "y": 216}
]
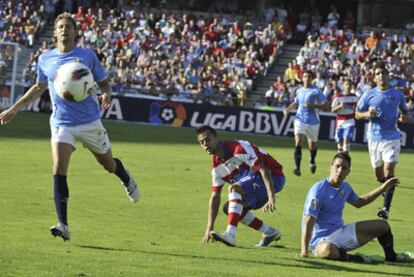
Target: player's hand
[
  {"x": 403, "y": 118},
  {"x": 372, "y": 112},
  {"x": 6, "y": 116},
  {"x": 269, "y": 206},
  {"x": 391, "y": 183},
  {"x": 285, "y": 112},
  {"x": 207, "y": 236},
  {"x": 105, "y": 101}
]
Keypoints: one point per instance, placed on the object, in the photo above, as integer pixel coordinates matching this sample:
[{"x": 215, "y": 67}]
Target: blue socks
[
  {"x": 387, "y": 242},
  {"x": 61, "y": 195},
  {"x": 121, "y": 172},
  {"x": 298, "y": 156},
  {"x": 388, "y": 195},
  {"x": 313, "y": 155}
]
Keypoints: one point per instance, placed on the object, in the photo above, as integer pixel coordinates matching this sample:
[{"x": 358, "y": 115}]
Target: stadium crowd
[
  {"x": 217, "y": 59},
  {"x": 179, "y": 56},
  {"x": 20, "y": 22},
  {"x": 337, "y": 54}
]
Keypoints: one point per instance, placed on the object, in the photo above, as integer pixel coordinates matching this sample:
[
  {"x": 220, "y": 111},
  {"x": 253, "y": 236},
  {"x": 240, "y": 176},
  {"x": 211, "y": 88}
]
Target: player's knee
[
  {"x": 383, "y": 226},
  {"x": 59, "y": 168},
  {"x": 110, "y": 167},
  {"x": 226, "y": 208},
  {"x": 326, "y": 251}
]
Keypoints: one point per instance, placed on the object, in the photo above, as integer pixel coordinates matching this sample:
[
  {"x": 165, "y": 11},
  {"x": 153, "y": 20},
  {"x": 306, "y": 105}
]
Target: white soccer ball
[{"x": 73, "y": 81}]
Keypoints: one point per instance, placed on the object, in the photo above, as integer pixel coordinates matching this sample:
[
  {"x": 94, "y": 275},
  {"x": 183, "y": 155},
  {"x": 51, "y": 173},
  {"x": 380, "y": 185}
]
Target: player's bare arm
[
  {"x": 406, "y": 119},
  {"x": 371, "y": 113},
  {"x": 337, "y": 107},
  {"x": 105, "y": 97},
  {"x": 32, "y": 94},
  {"x": 268, "y": 181},
  {"x": 213, "y": 207},
  {"x": 292, "y": 106},
  {"x": 309, "y": 222},
  {"x": 322, "y": 106},
  {"x": 372, "y": 195}
]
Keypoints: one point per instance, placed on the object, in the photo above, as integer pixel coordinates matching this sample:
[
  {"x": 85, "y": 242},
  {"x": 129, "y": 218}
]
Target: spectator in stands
[
  {"x": 349, "y": 21},
  {"x": 319, "y": 81},
  {"x": 239, "y": 88},
  {"x": 290, "y": 72},
  {"x": 372, "y": 41},
  {"x": 3, "y": 66},
  {"x": 333, "y": 17}
]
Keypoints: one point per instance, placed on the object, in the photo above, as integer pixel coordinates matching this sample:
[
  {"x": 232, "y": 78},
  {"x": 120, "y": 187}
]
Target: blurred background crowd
[{"x": 215, "y": 52}]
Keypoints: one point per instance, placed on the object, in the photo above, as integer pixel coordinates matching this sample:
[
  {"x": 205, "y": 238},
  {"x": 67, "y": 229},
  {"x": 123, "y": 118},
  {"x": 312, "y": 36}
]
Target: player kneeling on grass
[
  {"x": 254, "y": 178},
  {"x": 322, "y": 226}
]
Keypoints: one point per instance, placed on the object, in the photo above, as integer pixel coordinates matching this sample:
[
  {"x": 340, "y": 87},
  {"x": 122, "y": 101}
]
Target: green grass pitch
[{"x": 161, "y": 235}]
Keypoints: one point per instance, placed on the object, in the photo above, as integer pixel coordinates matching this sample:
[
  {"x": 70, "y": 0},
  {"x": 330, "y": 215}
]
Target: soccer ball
[{"x": 73, "y": 81}]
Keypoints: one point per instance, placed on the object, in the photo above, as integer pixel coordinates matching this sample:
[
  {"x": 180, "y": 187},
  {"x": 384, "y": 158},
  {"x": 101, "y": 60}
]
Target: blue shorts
[
  {"x": 344, "y": 133},
  {"x": 255, "y": 193}
]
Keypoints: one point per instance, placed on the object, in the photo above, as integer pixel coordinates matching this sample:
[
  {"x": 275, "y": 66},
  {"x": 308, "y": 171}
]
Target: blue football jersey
[
  {"x": 314, "y": 95},
  {"x": 326, "y": 204},
  {"x": 387, "y": 103},
  {"x": 67, "y": 113}
]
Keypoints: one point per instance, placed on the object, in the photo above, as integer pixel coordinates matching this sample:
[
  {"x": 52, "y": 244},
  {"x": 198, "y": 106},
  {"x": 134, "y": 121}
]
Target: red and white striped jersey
[
  {"x": 241, "y": 159},
  {"x": 345, "y": 116}
]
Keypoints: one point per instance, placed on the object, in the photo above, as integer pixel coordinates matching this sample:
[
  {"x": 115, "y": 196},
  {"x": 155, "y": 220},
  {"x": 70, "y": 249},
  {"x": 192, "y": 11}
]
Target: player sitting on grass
[
  {"x": 254, "y": 178},
  {"x": 322, "y": 226}
]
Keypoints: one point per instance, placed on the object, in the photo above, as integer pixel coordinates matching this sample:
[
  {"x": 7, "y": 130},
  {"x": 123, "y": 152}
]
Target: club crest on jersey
[
  {"x": 314, "y": 203},
  {"x": 342, "y": 193}
]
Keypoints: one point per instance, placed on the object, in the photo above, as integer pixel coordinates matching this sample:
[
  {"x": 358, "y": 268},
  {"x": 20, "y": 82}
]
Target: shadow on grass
[{"x": 306, "y": 264}]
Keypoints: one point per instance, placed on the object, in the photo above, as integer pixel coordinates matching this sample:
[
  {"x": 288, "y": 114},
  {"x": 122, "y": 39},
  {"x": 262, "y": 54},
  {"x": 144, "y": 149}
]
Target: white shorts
[
  {"x": 310, "y": 131},
  {"x": 345, "y": 238},
  {"x": 384, "y": 151},
  {"x": 92, "y": 135}
]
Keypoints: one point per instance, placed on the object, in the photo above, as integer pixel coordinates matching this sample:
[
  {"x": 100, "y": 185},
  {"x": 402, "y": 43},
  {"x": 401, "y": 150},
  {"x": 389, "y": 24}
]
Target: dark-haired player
[
  {"x": 254, "y": 178},
  {"x": 308, "y": 100},
  {"x": 381, "y": 106},
  {"x": 323, "y": 230}
]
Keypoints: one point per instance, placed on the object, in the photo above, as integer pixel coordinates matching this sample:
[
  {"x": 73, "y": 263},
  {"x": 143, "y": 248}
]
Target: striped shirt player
[
  {"x": 254, "y": 177},
  {"x": 344, "y": 107}
]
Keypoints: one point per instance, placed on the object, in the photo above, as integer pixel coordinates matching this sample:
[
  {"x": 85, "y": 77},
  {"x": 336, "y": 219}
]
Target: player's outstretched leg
[
  {"x": 128, "y": 181},
  {"x": 61, "y": 196}
]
